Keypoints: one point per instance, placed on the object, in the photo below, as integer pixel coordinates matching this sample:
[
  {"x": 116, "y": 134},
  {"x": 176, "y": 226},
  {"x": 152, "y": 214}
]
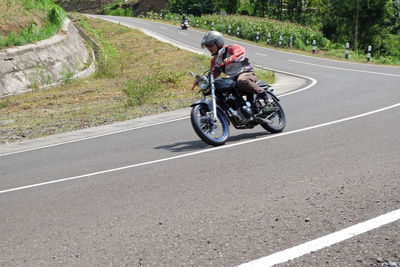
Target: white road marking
[
  {"x": 95, "y": 136},
  {"x": 337, "y": 68},
  {"x": 325, "y": 241},
  {"x": 313, "y": 81},
  {"x": 261, "y": 54},
  {"x": 165, "y": 28},
  {"x": 201, "y": 151}
]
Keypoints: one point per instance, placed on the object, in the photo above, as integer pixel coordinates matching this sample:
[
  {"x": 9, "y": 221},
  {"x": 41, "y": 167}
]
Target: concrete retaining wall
[{"x": 44, "y": 63}]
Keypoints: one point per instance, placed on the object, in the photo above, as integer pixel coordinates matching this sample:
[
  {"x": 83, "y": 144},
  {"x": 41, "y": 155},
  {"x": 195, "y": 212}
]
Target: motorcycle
[
  {"x": 185, "y": 25},
  {"x": 225, "y": 105}
]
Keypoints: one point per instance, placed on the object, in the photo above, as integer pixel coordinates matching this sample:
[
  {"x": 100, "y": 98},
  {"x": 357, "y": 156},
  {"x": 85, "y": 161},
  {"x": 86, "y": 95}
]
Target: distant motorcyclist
[
  {"x": 236, "y": 65},
  {"x": 184, "y": 23}
]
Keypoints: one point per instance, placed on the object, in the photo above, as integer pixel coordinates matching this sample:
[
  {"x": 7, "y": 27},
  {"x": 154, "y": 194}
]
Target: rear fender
[{"x": 267, "y": 88}]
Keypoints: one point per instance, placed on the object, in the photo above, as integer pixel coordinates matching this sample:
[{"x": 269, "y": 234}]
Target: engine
[{"x": 239, "y": 110}]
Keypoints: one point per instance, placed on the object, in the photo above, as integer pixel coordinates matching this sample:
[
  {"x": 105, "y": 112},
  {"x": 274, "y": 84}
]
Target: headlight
[{"x": 203, "y": 82}]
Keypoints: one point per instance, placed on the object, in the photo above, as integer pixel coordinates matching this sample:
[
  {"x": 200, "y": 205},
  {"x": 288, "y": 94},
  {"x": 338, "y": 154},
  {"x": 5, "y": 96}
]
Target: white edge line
[
  {"x": 94, "y": 136},
  {"x": 324, "y": 241},
  {"x": 313, "y": 81},
  {"x": 202, "y": 151}
]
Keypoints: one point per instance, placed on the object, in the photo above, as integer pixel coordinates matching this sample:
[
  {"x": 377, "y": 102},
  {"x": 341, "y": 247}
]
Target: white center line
[
  {"x": 325, "y": 241},
  {"x": 201, "y": 151},
  {"x": 261, "y": 54},
  {"x": 337, "y": 68}
]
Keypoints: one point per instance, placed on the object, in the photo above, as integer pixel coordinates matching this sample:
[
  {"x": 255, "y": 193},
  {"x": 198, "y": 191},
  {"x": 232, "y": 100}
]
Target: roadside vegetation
[
  {"x": 331, "y": 23},
  {"x": 28, "y": 21},
  {"x": 137, "y": 76}
]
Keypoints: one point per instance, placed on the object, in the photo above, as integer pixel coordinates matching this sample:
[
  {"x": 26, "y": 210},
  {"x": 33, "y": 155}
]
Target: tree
[
  {"x": 195, "y": 7},
  {"x": 230, "y": 6}
]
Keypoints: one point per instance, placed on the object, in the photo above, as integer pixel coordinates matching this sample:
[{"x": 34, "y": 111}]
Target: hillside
[
  {"x": 14, "y": 17},
  {"x": 94, "y": 6}
]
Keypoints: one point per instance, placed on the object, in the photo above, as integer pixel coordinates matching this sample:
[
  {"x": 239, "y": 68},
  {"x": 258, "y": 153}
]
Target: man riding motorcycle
[{"x": 236, "y": 65}]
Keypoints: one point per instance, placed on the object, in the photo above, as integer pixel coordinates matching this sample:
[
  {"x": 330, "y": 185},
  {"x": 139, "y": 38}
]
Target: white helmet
[{"x": 213, "y": 37}]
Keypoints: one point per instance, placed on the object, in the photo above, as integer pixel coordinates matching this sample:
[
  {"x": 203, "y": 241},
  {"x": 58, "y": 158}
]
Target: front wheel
[
  {"x": 275, "y": 120},
  {"x": 213, "y": 133}
]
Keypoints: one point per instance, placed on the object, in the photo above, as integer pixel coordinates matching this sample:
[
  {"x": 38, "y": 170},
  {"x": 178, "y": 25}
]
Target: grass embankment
[
  {"x": 137, "y": 75},
  {"x": 28, "y": 21}
]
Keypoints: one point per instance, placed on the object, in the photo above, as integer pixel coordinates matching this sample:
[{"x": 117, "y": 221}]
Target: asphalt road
[{"x": 153, "y": 194}]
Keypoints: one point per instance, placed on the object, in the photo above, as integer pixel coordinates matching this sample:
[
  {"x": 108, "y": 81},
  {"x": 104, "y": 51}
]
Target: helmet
[{"x": 213, "y": 37}]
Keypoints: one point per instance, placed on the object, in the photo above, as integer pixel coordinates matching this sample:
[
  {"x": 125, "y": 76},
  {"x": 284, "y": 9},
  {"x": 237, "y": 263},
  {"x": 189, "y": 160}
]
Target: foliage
[
  {"x": 117, "y": 9},
  {"x": 196, "y": 7},
  {"x": 358, "y": 22},
  {"x": 249, "y": 27}
]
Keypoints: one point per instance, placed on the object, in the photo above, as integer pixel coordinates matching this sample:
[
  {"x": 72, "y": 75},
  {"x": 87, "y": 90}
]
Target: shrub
[{"x": 140, "y": 90}]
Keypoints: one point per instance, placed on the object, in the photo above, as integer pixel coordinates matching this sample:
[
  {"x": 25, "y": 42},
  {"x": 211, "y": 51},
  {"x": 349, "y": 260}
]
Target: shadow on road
[{"x": 194, "y": 145}]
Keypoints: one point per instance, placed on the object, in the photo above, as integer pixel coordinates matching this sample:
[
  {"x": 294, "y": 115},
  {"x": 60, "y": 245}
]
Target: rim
[
  {"x": 275, "y": 119},
  {"x": 216, "y": 131}
]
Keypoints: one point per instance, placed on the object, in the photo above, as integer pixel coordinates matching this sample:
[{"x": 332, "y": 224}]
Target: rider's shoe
[{"x": 267, "y": 108}]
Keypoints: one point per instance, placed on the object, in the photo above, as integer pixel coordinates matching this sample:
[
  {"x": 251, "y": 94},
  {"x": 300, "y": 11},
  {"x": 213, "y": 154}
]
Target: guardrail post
[
  {"x": 291, "y": 42},
  {"x": 238, "y": 32},
  {"x": 314, "y": 43},
  {"x": 268, "y": 38},
  {"x": 197, "y": 23},
  {"x": 229, "y": 29},
  {"x": 258, "y": 36},
  {"x": 280, "y": 40},
  {"x": 369, "y": 54},
  {"x": 212, "y": 26},
  {"x": 347, "y": 51}
]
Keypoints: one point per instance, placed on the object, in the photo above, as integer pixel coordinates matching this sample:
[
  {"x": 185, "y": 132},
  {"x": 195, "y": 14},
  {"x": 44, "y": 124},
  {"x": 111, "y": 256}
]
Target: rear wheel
[
  {"x": 275, "y": 120},
  {"x": 213, "y": 133}
]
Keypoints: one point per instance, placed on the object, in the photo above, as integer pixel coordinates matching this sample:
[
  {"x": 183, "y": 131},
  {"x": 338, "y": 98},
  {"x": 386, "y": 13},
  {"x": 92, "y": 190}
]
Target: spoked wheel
[
  {"x": 213, "y": 133},
  {"x": 275, "y": 120}
]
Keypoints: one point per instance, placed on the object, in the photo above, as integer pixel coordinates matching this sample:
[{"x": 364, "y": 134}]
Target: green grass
[{"x": 33, "y": 33}]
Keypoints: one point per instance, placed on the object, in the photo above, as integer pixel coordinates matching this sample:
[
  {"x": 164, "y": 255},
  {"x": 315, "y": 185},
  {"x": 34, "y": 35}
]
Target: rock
[
  {"x": 379, "y": 260},
  {"x": 6, "y": 122}
]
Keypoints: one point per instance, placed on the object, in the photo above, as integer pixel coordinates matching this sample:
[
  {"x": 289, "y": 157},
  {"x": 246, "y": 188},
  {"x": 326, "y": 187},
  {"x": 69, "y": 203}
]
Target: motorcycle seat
[
  {"x": 263, "y": 84},
  {"x": 224, "y": 84}
]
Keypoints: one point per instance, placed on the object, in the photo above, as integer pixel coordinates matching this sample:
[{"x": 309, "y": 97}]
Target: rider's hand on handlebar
[{"x": 228, "y": 61}]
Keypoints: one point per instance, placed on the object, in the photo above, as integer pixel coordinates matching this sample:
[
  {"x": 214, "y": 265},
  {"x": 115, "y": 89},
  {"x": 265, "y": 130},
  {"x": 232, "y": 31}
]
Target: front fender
[{"x": 207, "y": 102}]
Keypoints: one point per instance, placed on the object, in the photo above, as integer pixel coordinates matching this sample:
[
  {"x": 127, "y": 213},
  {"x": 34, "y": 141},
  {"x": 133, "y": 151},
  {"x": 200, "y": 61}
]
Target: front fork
[{"x": 213, "y": 98}]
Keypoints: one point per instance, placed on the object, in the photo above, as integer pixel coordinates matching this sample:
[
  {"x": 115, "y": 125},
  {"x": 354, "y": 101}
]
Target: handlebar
[{"x": 194, "y": 85}]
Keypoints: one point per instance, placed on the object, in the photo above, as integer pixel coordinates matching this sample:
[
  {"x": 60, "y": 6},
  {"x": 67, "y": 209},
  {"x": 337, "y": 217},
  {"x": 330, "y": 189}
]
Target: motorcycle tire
[
  {"x": 276, "y": 120},
  {"x": 214, "y": 134}
]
